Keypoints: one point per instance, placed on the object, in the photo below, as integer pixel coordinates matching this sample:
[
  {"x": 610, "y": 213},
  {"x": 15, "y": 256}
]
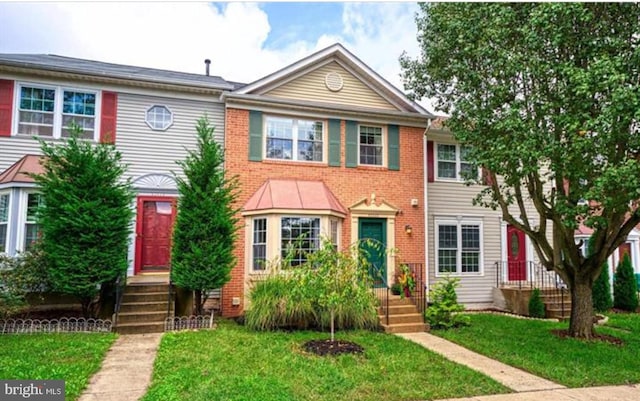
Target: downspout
[{"x": 425, "y": 175}]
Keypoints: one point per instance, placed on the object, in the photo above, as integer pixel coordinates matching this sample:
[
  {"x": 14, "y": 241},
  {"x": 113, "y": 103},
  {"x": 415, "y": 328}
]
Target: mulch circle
[
  {"x": 332, "y": 348},
  {"x": 596, "y": 337}
]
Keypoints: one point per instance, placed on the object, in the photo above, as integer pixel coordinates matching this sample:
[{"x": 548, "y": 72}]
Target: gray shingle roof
[{"x": 99, "y": 68}]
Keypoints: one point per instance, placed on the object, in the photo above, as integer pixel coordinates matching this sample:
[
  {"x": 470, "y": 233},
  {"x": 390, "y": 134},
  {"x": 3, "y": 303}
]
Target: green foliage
[
  {"x": 331, "y": 289},
  {"x": 205, "y": 230},
  {"x": 444, "y": 310},
  {"x": 536, "y": 306},
  {"x": 86, "y": 218},
  {"x": 273, "y": 306},
  {"x": 602, "y": 300},
  {"x": 270, "y": 366},
  {"x": 601, "y": 291},
  {"x": 534, "y": 346},
  {"x": 20, "y": 275},
  {"x": 625, "y": 286},
  {"x": 546, "y": 96},
  {"x": 72, "y": 357}
]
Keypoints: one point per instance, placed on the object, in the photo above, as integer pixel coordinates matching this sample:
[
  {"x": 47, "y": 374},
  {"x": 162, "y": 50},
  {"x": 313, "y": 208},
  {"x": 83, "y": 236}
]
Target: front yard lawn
[
  {"x": 530, "y": 345},
  {"x": 233, "y": 363},
  {"x": 73, "y": 357}
]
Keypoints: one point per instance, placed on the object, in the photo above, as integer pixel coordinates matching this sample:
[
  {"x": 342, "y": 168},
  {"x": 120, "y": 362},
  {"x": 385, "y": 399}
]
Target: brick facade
[{"x": 349, "y": 185}]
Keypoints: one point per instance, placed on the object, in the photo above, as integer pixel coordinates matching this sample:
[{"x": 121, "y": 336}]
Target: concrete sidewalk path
[
  {"x": 516, "y": 379},
  {"x": 606, "y": 393},
  {"x": 126, "y": 370}
]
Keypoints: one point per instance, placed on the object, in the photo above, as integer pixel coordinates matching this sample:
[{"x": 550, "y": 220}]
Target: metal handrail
[
  {"x": 531, "y": 275},
  {"x": 121, "y": 283},
  {"x": 419, "y": 295},
  {"x": 381, "y": 289}
]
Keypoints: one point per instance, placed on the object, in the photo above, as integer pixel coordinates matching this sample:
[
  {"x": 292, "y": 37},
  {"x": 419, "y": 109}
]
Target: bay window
[{"x": 4, "y": 222}]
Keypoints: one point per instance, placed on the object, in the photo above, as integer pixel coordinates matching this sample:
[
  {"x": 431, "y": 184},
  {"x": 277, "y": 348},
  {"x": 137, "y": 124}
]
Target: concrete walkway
[
  {"x": 516, "y": 379},
  {"x": 528, "y": 387},
  {"x": 606, "y": 393},
  {"x": 126, "y": 370}
]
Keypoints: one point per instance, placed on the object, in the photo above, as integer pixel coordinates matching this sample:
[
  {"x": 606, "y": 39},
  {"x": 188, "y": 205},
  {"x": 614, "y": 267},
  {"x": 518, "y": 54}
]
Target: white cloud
[{"x": 179, "y": 36}]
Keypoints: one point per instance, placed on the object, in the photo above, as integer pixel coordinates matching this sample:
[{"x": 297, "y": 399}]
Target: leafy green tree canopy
[
  {"x": 547, "y": 95},
  {"x": 205, "y": 231},
  {"x": 86, "y": 218}
]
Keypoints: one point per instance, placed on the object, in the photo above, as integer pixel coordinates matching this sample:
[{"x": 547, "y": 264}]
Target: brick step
[
  {"x": 143, "y": 307},
  {"x": 140, "y": 328},
  {"x": 145, "y": 288},
  {"x": 142, "y": 317},
  {"x": 406, "y": 328},
  {"x": 145, "y": 297},
  {"x": 404, "y": 318}
]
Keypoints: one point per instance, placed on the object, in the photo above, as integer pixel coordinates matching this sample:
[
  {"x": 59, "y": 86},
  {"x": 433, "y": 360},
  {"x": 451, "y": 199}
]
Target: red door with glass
[
  {"x": 517, "y": 254},
  {"x": 154, "y": 230}
]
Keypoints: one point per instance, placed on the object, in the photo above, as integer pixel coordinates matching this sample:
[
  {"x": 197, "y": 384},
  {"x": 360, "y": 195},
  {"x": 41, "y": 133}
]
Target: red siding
[
  {"x": 6, "y": 106},
  {"x": 108, "y": 117}
]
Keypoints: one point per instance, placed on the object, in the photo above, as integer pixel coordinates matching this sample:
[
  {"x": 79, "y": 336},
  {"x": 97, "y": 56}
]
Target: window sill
[
  {"x": 295, "y": 163},
  {"x": 373, "y": 167},
  {"x": 459, "y": 275}
]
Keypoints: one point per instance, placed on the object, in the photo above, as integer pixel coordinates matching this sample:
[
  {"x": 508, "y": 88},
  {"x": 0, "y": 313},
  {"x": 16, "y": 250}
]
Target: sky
[{"x": 245, "y": 41}]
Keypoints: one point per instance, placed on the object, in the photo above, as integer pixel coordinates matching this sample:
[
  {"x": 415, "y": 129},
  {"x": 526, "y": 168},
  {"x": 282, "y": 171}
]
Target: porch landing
[{"x": 149, "y": 278}]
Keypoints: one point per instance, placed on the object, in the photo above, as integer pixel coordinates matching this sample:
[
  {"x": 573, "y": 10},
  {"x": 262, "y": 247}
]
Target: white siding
[
  {"x": 147, "y": 151},
  {"x": 449, "y": 199}
]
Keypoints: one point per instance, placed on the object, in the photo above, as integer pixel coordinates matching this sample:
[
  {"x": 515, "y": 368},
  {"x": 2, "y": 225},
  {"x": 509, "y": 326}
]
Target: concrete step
[
  {"x": 406, "y": 328},
  {"x": 145, "y": 297},
  {"x": 142, "y": 317},
  {"x": 145, "y": 288},
  {"x": 404, "y": 318},
  {"x": 399, "y": 309},
  {"x": 140, "y": 328},
  {"x": 144, "y": 307},
  {"x": 557, "y": 313}
]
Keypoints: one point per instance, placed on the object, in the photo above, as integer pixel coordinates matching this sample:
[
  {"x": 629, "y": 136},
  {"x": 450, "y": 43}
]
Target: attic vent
[{"x": 334, "y": 82}]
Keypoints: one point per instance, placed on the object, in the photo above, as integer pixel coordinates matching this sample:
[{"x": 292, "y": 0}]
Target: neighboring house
[
  {"x": 474, "y": 243},
  {"x": 149, "y": 114},
  {"x": 324, "y": 147}
]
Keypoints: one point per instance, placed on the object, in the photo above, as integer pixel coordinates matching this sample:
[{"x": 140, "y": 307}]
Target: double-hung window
[
  {"x": 294, "y": 139},
  {"x": 31, "y": 228},
  {"x": 371, "y": 145},
  {"x": 4, "y": 221},
  {"x": 259, "y": 257},
  {"x": 453, "y": 162},
  {"x": 300, "y": 236},
  {"x": 459, "y": 247},
  {"x": 50, "y": 111}
]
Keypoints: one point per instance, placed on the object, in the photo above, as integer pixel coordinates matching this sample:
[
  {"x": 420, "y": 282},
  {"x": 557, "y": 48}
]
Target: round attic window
[{"x": 334, "y": 82}]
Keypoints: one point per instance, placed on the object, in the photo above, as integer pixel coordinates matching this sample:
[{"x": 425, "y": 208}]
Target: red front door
[
  {"x": 517, "y": 254},
  {"x": 154, "y": 230},
  {"x": 624, "y": 248}
]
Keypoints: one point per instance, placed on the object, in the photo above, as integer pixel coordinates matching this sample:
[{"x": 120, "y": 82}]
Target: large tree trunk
[{"x": 581, "y": 324}]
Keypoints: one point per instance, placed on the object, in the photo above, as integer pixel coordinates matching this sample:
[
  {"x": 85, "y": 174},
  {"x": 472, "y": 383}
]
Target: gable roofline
[
  {"x": 102, "y": 70},
  {"x": 393, "y": 94}
]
